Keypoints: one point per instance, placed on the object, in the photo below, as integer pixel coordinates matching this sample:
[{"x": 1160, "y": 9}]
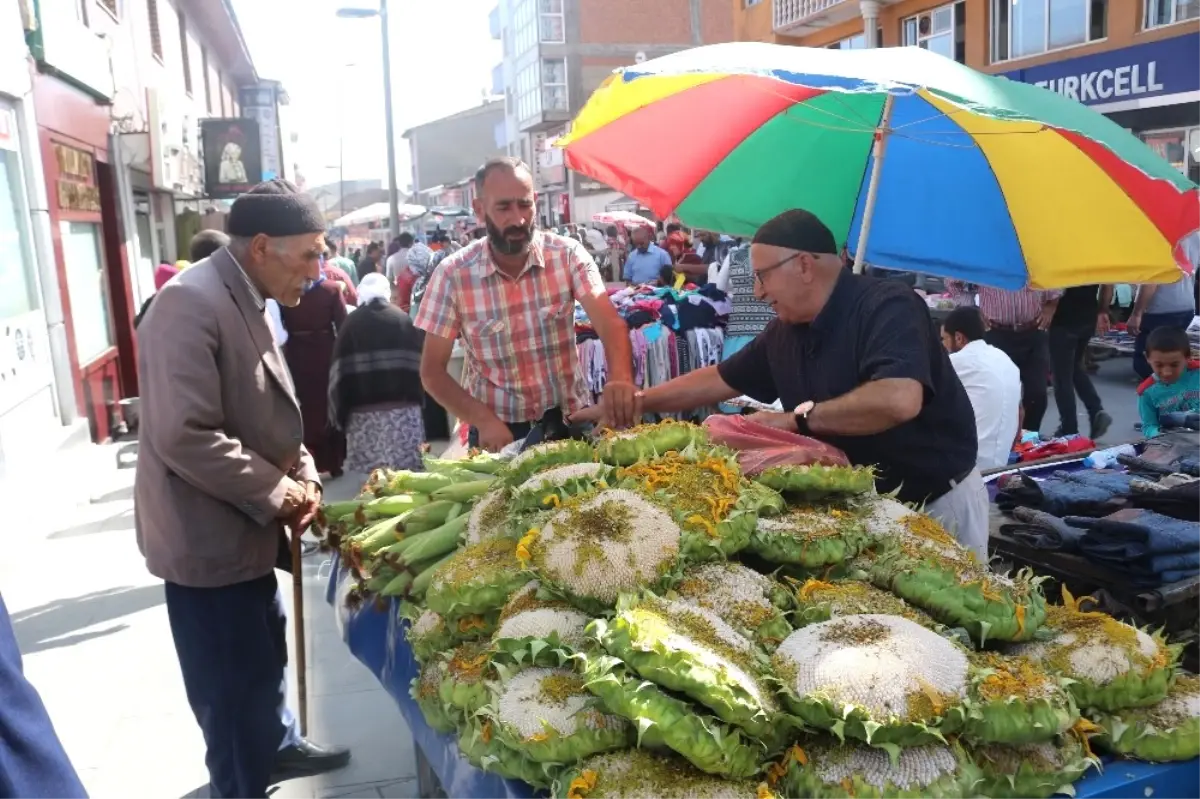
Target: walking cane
[{"x": 298, "y": 624}]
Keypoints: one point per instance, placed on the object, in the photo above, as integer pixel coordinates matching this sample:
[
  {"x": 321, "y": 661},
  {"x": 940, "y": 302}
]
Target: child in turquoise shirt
[{"x": 1174, "y": 390}]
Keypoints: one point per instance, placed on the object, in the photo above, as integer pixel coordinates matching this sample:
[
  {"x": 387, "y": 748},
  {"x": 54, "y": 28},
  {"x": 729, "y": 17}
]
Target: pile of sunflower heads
[{"x": 635, "y": 617}]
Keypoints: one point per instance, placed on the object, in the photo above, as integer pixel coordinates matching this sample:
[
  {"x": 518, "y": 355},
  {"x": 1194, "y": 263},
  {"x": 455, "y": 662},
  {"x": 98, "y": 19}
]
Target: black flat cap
[
  {"x": 797, "y": 229},
  {"x": 274, "y": 208}
]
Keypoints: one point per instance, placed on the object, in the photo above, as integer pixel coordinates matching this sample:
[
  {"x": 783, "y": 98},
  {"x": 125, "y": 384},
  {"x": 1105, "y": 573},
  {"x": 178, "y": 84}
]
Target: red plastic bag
[{"x": 760, "y": 447}]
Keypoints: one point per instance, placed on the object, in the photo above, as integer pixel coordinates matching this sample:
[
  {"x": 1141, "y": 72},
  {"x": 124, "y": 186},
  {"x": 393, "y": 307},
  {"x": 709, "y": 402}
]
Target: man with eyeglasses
[{"x": 857, "y": 360}]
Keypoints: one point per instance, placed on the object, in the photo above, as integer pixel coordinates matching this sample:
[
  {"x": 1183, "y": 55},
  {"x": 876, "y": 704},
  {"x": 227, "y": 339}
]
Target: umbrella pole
[{"x": 880, "y": 147}]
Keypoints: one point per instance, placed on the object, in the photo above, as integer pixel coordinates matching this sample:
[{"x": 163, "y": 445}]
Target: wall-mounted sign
[
  {"x": 76, "y": 185},
  {"x": 232, "y": 156},
  {"x": 261, "y": 103},
  {"x": 1147, "y": 74}
]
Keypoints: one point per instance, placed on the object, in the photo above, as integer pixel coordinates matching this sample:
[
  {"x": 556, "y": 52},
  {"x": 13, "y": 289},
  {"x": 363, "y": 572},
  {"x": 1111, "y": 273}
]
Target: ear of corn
[
  {"x": 662, "y": 719},
  {"x": 482, "y": 463},
  {"x": 406, "y": 482},
  {"x": 464, "y": 492},
  {"x": 394, "y": 505}
]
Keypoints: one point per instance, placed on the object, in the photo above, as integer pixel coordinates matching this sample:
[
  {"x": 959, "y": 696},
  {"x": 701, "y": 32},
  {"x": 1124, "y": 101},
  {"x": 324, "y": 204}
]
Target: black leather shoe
[{"x": 306, "y": 759}]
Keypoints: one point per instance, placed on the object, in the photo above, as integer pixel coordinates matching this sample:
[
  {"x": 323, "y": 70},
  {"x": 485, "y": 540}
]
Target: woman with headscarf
[
  {"x": 421, "y": 260},
  {"x": 375, "y": 389},
  {"x": 312, "y": 328}
]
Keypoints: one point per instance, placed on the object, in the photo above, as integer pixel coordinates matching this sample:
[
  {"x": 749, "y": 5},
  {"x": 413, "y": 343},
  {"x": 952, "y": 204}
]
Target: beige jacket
[{"x": 220, "y": 430}]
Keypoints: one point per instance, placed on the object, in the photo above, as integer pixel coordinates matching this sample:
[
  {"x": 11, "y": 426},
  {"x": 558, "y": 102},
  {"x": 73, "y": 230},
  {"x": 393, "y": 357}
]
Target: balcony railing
[{"x": 804, "y": 16}]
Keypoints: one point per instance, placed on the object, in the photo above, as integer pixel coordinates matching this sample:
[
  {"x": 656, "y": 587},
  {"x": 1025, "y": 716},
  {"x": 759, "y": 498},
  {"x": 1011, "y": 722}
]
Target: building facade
[
  {"x": 557, "y": 52},
  {"x": 1136, "y": 61},
  {"x": 119, "y": 89},
  {"x": 447, "y": 151}
]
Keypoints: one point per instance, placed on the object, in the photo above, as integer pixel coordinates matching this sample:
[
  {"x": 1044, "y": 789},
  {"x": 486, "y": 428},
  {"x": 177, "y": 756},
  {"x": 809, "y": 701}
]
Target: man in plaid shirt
[{"x": 511, "y": 298}]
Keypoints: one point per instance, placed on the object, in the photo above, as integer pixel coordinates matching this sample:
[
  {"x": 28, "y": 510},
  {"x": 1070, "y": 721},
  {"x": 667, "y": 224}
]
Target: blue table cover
[{"x": 375, "y": 635}]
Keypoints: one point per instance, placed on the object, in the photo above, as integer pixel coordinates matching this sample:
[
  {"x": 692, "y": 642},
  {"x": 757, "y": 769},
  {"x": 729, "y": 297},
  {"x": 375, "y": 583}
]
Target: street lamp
[{"x": 393, "y": 191}]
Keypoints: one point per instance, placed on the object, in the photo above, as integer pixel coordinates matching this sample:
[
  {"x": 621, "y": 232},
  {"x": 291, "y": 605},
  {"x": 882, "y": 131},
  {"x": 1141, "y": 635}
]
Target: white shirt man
[{"x": 992, "y": 381}]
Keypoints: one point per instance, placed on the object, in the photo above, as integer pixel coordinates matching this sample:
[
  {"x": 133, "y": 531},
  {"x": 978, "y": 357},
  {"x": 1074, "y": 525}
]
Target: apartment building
[
  {"x": 1136, "y": 61},
  {"x": 446, "y": 152},
  {"x": 557, "y": 52},
  {"x": 119, "y": 88}
]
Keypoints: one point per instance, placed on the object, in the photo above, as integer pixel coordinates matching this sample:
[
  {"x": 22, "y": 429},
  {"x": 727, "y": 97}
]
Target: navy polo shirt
[{"x": 870, "y": 329}]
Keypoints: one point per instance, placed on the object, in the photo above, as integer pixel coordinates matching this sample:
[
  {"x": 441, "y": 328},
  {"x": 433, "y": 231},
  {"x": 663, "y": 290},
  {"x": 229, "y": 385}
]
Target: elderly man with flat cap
[
  {"x": 221, "y": 472},
  {"x": 857, "y": 364}
]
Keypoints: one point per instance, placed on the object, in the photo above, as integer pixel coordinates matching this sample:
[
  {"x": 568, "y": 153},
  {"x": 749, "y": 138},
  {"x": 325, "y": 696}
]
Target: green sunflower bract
[
  {"x": 478, "y": 579},
  {"x": 642, "y": 774},
  {"x": 819, "y": 482},
  {"x": 538, "y": 631},
  {"x": 1169, "y": 730},
  {"x": 809, "y": 538},
  {"x": 1012, "y": 700},
  {"x": 482, "y": 749},
  {"x": 464, "y": 686},
  {"x": 818, "y": 601},
  {"x": 424, "y": 690},
  {"x": 661, "y": 719},
  {"x": 751, "y": 603},
  {"x": 549, "y": 487},
  {"x": 1029, "y": 771},
  {"x": 903, "y": 688},
  {"x": 924, "y": 565},
  {"x": 827, "y": 768},
  {"x": 627, "y": 447},
  {"x": 543, "y": 456},
  {"x": 602, "y": 544},
  {"x": 689, "y": 649},
  {"x": 548, "y": 716},
  {"x": 1112, "y": 666}
]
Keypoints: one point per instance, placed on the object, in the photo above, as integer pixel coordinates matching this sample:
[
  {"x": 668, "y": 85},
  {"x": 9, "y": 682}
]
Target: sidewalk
[{"x": 93, "y": 630}]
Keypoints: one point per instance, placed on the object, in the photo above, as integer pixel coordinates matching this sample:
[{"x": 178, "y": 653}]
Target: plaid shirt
[
  {"x": 1009, "y": 308},
  {"x": 518, "y": 334}
]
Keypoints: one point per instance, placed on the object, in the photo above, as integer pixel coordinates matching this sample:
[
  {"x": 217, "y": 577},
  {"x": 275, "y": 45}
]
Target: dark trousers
[
  {"x": 1029, "y": 351},
  {"x": 1068, "y": 345},
  {"x": 519, "y": 431},
  {"x": 1150, "y": 321},
  {"x": 232, "y": 648}
]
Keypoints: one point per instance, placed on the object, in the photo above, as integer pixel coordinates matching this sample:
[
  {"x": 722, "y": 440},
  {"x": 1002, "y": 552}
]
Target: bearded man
[{"x": 511, "y": 298}]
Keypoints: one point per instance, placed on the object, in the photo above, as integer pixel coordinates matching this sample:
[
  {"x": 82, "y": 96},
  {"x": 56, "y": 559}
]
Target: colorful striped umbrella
[{"x": 917, "y": 162}]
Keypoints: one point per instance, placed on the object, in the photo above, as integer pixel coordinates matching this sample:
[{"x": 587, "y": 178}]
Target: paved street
[{"x": 93, "y": 628}]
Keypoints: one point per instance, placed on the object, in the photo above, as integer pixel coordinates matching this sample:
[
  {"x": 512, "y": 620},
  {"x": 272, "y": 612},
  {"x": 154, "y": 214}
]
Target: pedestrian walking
[
  {"x": 221, "y": 471},
  {"x": 1082, "y": 313}
]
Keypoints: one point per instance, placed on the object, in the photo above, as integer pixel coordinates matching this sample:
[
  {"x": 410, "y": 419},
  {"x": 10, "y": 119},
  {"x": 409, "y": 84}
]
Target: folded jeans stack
[
  {"x": 1149, "y": 548},
  {"x": 1041, "y": 530},
  {"x": 1081, "y": 493}
]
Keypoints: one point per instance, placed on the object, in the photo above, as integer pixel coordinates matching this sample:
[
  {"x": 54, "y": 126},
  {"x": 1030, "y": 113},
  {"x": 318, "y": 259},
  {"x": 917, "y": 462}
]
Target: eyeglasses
[{"x": 758, "y": 274}]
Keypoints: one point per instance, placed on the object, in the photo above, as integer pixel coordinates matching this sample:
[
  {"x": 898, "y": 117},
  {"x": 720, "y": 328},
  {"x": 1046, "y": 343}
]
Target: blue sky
[{"x": 442, "y": 57}]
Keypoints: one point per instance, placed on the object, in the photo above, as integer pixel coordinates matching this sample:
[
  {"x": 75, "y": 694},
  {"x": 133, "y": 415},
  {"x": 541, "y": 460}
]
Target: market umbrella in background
[
  {"x": 917, "y": 162},
  {"x": 622, "y": 218}
]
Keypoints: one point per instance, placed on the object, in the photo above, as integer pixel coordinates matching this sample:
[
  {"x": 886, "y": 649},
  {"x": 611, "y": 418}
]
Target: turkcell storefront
[{"x": 1153, "y": 89}]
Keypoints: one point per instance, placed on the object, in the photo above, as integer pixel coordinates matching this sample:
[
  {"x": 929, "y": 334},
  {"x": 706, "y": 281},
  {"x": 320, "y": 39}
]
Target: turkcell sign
[{"x": 1143, "y": 71}]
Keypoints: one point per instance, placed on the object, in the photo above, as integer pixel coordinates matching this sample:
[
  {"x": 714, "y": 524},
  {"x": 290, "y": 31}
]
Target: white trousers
[{"x": 963, "y": 511}]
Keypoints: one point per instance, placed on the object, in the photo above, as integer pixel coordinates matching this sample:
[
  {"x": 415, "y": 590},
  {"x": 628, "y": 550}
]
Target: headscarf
[
  {"x": 374, "y": 287},
  {"x": 163, "y": 273},
  {"x": 420, "y": 260}
]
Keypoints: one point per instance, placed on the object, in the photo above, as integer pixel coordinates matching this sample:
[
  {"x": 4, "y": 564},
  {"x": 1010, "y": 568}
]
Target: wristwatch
[{"x": 802, "y": 411}]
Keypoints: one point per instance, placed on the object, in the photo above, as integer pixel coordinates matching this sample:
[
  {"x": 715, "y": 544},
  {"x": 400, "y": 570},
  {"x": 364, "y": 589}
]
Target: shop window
[
  {"x": 551, "y": 25},
  {"x": 88, "y": 289},
  {"x": 554, "y": 84},
  {"x": 18, "y": 287},
  {"x": 1179, "y": 147},
  {"x": 155, "y": 30},
  {"x": 1023, "y": 28},
  {"x": 183, "y": 52},
  {"x": 857, "y": 42},
  {"x": 1168, "y": 12},
  {"x": 940, "y": 30},
  {"x": 208, "y": 105}
]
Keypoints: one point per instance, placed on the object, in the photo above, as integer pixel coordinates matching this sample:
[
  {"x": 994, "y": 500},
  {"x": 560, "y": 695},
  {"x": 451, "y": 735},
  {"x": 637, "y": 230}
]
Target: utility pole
[{"x": 393, "y": 190}]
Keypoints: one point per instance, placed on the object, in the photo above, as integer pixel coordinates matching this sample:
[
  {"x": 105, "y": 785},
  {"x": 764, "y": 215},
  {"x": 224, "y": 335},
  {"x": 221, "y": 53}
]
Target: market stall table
[{"x": 375, "y": 635}]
